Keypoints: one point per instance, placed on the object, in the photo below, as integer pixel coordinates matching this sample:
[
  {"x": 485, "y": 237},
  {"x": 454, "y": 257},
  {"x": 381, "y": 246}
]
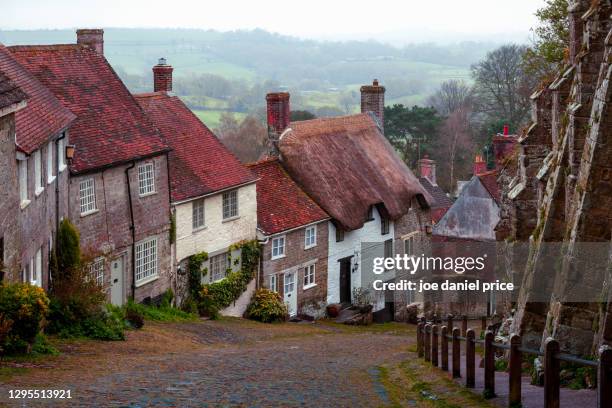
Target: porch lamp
[
  {"x": 428, "y": 229},
  {"x": 70, "y": 153}
]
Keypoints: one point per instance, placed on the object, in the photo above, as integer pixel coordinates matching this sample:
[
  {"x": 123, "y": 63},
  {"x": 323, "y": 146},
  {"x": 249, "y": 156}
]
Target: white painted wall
[
  {"x": 352, "y": 245},
  {"x": 217, "y": 235}
]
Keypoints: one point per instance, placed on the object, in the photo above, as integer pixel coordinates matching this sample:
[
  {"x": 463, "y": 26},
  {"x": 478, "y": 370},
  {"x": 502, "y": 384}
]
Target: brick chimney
[
  {"x": 504, "y": 146},
  {"x": 427, "y": 169},
  {"x": 278, "y": 112},
  {"x": 162, "y": 76},
  {"x": 91, "y": 38},
  {"x": 373, "y": 100},
  {"x": 479, "y": 166}
]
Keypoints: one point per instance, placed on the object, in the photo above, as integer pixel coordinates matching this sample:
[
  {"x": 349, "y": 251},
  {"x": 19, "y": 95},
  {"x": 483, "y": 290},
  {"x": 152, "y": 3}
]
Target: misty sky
[{"x": 447, "y": 20}]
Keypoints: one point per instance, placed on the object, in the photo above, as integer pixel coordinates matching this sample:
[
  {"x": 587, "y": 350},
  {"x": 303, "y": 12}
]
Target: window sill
[
  {"x": 230, "y": 219},
  {"x": 312, "y": 285},
  {"x": 310, "y": 247},
  {"x": 199, "y": 229},
  {"x": 274, "y": 258},
  {"x": 24, "y": 204},
  {"x": 85, "y": 214},
  {"x": 51, "y": 179},
  {"x": 146, "y": 280},
  {"x": 62, "y": 167},
  {"x": 39, "y": 191},
  {"x": 147, "y": 194}
]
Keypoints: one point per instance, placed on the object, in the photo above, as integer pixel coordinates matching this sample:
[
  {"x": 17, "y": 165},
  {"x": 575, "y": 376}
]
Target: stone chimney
[
  {"x": 427, "y": 169},
  {"x": 91, "y": 38},
  {"x": 278, "y": 112},
  {"x": 479, "y": 166},
  {"x": 373, "y": 100},
  {"x": 504, "y": 146},
  {"x": 162, "y": 76}
]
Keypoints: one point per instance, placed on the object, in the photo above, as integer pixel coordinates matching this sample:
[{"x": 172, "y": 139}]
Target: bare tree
[
  {"x": 457, "y": 144},
  {"x": 452, "y": 95},
  {"x": 501, "y": 85},
  {"x": 247, "y": 139}
]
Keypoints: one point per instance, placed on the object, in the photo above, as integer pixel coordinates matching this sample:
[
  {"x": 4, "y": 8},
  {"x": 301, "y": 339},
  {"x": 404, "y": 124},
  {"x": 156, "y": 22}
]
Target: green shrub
[
  {"x": 133, "y": 315},
  {"x": 167, "y": 297},
  {"x": 68, "y": 248},
  {"x": 42, "y": 346},
  {"x": 157, "y": 313},
  {"x": 266, "y": 306},
  {"x": 23, "y": 310},
  {"x": 194, "y": 266}
]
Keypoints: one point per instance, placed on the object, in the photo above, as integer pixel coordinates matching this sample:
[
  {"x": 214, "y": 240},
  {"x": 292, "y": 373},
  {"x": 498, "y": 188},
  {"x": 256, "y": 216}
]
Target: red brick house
[
  {"x": 40, "y": 138},
  {"x": 212, "y": 194},
  {"x": 12, "y": 99},
  {"x": 119, "y": 188},
  {"x": 294, "y": 234},
  {"x": 376, "y": 205}
]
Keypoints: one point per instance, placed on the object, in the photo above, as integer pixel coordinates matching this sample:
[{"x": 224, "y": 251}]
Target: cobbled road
[{"x": 227, "y": 363}]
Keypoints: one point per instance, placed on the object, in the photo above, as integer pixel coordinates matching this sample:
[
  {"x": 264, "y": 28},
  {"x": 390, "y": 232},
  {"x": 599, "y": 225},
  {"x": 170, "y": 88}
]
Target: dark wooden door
[{"x": 345, "y": 280}]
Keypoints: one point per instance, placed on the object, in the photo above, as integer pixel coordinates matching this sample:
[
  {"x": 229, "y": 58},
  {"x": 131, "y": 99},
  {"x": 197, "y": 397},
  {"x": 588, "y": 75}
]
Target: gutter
[{"x": 132, "y": 228}]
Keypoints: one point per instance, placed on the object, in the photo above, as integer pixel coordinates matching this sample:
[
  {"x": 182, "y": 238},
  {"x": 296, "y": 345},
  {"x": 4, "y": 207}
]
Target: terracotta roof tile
[
  {"x": 489, "y": 181},
  {"x": 110, "y": 127},
  {"x": 199, "y": 163},
  {"x": 281, "y": 204},
  {"x": 346, "y": 165},
  {"x": 10, "y": 93},
  {"x": 44, "y": 116}
]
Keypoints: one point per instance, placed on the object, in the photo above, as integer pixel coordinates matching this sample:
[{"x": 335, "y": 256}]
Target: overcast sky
[{"x": 333, "y": 19}]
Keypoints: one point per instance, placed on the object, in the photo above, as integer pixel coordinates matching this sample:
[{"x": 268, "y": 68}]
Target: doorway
[
  {"x": 116, "y": 281},
  {"x": 290, "y": 293},
  {"x": 345, "y": 280}
]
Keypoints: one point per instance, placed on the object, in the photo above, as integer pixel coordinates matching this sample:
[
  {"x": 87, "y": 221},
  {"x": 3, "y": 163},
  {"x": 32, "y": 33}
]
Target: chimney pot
[
  {"x": 479, "y": 165},
  {"x": 279, "y": 114},
  {"x": 427, "y": 169},
  {"x": 162, "y": 76},
  {"x": 91, "y": 38},
  {"x": 506, "y": 130},
  {"x": 373, "y": 100}
]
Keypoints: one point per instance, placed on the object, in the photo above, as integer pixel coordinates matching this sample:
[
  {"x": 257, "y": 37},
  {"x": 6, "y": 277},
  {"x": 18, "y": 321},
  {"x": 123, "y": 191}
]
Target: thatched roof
[{"x": 347, "y": 165}]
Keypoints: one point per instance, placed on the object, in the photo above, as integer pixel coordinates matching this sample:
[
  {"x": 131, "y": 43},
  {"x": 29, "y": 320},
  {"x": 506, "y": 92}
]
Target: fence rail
[{"x": 432, "y": 345}]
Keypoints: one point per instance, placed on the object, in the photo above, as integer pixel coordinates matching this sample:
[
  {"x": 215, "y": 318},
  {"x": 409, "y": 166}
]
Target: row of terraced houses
[{"x": 122, "y": 167}]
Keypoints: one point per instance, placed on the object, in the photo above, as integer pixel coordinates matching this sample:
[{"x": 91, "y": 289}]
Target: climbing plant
[{"x": 195, "y": 271}]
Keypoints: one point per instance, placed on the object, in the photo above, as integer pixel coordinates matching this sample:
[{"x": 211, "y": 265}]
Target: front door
[
  {"x": 116, "y": 281},
  {"x": 345, "y": 280},
  {"x": 290, "y": 293}
]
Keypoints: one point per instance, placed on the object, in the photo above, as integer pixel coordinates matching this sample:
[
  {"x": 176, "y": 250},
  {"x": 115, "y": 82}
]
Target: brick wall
[
  {"x": 296, "y": 257},
  {"x": 10, "y": 235},
  {"x": 106, "y": 231}
]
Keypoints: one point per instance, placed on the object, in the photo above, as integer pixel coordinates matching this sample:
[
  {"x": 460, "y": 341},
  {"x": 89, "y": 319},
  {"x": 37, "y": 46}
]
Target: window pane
[
  {"x": 87, "y": 195},
  {"x": 146, "y": 259},
  {"x": 198, "y": 214},
  {"x": 146, "y": 179},
  {"x": 218, "y": 266},
  {"x": 230, "y": 204}
]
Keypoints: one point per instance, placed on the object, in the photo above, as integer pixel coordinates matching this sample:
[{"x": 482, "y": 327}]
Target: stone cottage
[
  {"x": 293, "y": 231},
  {"x": 213, "y": 196},
  {"x": 376, "y": 205},
  {"x": 40, "y": 137},
  {"x": 118, "y": 191},
  {"x": 12, "y": 99}
]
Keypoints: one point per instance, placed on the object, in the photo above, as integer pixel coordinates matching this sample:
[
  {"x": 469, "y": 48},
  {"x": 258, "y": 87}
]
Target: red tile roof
[
  {"x": 346, "y": 165},
  {"x": 10, "y": 93},
  {"x": 441, "y": 201},
  {"x": 489, "y": 181},
  {"x": 199, "y": 163},
  {"x": 44, "y": 116},
  {"x": 281, "y": 204},
  {"x": 110, "y": 128}
]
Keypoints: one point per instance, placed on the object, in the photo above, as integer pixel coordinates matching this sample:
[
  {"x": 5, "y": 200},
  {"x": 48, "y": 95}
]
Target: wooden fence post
[
  {"x": 420, "y": 339},
  {"x": 483, "y": 323},
  {"x": 444, "y": 345},
  {"x": 470, "y": 359},
  {"x": 551, "y": 373},
  {"x": 456, "y": 354},
  {"x": 464, "y": 326},
  {"x": 489, "y": 365},
  {"x": 516, "y": 363},
  {"x": 450, "y": 322},
  {"x": 434, "y": 345},
  {"x": 427, "y": 342},
  {"x": 604, "y": 378}
]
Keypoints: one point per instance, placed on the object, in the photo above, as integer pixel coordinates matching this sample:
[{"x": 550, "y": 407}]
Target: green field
[{"x": 211, "y": 118}]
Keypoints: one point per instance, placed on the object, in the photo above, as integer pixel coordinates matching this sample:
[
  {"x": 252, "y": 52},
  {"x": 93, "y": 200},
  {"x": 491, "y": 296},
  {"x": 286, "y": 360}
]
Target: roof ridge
[
  {"x": 265, "y": 160},
  {"x": 18, "y": 47}
]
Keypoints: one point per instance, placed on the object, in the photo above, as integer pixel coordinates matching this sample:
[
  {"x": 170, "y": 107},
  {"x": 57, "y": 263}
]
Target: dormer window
[
  {"x": 38, "y": 182},
  {"x": 339, "y": 234},
  {"x": 370, "y": 216},
  {"x": 384, "y": 225}
]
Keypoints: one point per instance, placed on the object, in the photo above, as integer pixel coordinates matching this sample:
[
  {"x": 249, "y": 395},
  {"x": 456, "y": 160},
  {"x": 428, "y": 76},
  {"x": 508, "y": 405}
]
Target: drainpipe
[{"x": 132, "y": 228}]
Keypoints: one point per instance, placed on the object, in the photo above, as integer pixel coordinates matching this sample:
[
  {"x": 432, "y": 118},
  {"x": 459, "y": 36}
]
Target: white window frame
[
  {"x": 50, "y": 175},
  {"x": 37, "y": 265},
  {"x": 87, "y": 196},
  {"x": 38, "y": 180},
  {"x": 96, "y": 271},
  {"x": 22, "y": 165},
  {"x": 146, "y": 261},
  {"x": 310, "y": 237},
  {"x": 198, "y": 213},
  {"x": 218, "y": 267},
  {"x": 146, "y": 179},
  {"x": 61, "y": 154},
  {"x": 274, "y": 283},
  {"x": 278, "y": 247},
  {"x": 309, "y": 276},
  {"x": 410, "y": 241},
  {"x": 229, "y": 205}
]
